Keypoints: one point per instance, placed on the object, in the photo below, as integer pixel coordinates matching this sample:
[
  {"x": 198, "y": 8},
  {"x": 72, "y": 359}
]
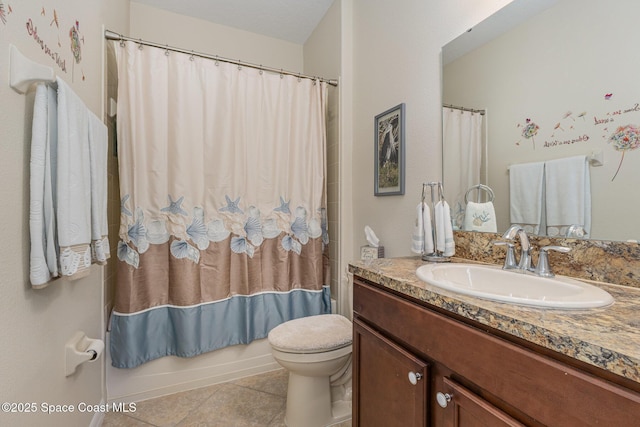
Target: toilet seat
[{"x": 313, "y": 334}]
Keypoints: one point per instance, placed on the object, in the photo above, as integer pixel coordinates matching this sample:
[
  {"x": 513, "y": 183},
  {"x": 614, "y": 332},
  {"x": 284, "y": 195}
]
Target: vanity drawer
[{"x": 504, "y": 373}]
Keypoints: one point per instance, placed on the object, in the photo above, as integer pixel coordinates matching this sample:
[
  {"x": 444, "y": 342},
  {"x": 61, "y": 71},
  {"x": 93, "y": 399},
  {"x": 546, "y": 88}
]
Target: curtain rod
[
  {"x": 110, "y": 35},
  {"x": 473, "y": 110}
]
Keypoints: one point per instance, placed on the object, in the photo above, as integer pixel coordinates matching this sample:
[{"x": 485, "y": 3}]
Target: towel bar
[{"x": 479, "y": 187}]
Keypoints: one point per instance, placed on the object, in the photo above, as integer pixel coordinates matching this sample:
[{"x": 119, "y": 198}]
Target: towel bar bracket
[{"x": 24, "y": 72}]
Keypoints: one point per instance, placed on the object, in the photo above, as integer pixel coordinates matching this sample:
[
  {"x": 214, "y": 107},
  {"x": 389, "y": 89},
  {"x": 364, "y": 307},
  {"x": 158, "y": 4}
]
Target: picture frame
[{"x": 389, "y": 143}]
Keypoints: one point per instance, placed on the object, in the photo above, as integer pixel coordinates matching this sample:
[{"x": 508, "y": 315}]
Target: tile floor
[{"x": 257, "y": 401}]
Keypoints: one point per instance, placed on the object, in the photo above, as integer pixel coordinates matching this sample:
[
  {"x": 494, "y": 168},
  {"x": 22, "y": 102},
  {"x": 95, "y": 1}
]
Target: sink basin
[{"x": 495, "y": 284}]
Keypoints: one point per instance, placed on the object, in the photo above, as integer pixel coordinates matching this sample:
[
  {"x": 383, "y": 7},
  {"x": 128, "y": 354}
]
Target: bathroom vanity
[{"x": 423, "y": 356}]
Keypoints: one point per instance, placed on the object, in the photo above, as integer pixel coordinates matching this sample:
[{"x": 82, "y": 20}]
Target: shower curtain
[
  {"x": 462, "y": 139},
  {"x": 223, "y": 204}
]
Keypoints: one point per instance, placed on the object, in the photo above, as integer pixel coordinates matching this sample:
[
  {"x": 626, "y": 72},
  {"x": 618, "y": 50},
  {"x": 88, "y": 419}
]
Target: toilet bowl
[{"x": 316, "y": 350}]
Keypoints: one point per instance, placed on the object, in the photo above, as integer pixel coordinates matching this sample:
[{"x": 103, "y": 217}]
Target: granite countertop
[{"x": 608, "y": 337}]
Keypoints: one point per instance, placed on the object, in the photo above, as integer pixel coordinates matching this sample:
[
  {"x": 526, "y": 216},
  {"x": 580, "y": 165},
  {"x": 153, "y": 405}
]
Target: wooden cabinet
[
  {"x": 490, "y": 380},
  {"x": 391, "y": 383},
  {"x": 463, "y": 408}
]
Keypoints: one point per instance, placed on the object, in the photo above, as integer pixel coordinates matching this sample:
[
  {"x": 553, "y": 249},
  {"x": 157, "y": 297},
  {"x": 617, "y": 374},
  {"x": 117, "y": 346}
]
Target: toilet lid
[{"x": 312, "y": 334}]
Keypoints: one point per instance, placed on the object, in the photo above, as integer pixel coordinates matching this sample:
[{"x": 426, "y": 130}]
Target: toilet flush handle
[{"x": 414, "y": 377}]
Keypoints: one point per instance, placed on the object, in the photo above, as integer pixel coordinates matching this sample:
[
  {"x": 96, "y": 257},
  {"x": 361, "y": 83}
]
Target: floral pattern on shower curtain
[{"x": 223, "y": 225}]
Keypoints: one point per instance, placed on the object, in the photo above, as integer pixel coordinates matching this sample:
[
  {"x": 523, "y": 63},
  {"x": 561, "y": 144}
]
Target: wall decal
[
  {"x": 55, "y": 19},
  {"x": 32, "y": 30},
  {"x": 623, "y": 139},
  {"x": 530, "y": 130},
  {"x": 3, "y": 15},
  {"x": 47, "y": 30},
  {"x": 76, "y": 49}
]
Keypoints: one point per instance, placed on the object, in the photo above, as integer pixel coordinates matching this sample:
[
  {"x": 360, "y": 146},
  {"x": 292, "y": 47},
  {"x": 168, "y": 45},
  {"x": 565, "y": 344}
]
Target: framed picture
[{"x": 389, "y": 152}]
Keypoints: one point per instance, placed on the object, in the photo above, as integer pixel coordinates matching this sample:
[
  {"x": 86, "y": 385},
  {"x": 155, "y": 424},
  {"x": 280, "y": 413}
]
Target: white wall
[
  {"x": 566, "y": 59},
  {"x": 176, "y": 30},
  {"x": 396, "y": 58},
  {"x": 37, "y": 323}
]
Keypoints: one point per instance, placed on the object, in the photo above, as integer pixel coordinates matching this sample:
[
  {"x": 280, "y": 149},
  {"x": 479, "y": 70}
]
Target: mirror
[{"x": 556, "y": 79}]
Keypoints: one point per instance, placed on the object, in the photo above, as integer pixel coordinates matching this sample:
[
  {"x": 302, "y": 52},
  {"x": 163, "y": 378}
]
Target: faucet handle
[
  {"x": 510, "y": 260},
  {"x": 543, "y": 269}
]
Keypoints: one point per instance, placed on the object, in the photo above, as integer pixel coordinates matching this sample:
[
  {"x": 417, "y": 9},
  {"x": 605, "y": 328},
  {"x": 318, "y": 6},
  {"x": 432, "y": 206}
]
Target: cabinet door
[
  {"x": 390, "y": 384},
  {"x": 465, "y": 409}
]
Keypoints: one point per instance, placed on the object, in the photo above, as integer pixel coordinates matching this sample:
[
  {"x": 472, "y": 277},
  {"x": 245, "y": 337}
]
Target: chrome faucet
[
  {"x": 544, "y": 268},
  {"x": 525, "y": 254}
]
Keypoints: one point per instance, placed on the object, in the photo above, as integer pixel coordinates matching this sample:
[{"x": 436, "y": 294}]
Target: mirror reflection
[{"x": 541, "y": 104}]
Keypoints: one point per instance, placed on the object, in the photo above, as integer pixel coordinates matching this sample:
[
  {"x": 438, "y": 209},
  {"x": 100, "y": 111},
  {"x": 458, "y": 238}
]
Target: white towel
[
  {"x": 480, "y": 217},
  {"x": 568, "y": 194},
  {"x": 444, "y": 229},
  {"x": 422, "y": 238},
  {"x": 526, "y": 195},
  {"x": 74, "y": 184},
  {"x": 42, "y": 221},
  {"x": 98, "y": 148}
]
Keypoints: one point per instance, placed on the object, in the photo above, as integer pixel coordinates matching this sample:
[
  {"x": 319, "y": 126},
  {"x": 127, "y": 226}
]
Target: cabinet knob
[
  {"x": 414, "y": 377},
  {"x": 443, "y": 399}
]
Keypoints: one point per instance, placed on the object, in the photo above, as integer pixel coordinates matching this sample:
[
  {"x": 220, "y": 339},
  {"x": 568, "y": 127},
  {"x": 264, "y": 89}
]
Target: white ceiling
[{"x": 291, "y": 20}]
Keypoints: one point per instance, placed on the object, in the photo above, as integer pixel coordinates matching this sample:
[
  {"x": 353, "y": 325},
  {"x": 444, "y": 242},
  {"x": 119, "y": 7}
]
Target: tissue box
[{"x": 371, "y": 252}]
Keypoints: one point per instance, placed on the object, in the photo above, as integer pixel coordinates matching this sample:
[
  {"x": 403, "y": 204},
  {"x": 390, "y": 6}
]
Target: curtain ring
[
  {"x": 217, "y": 62},
  {"x": 261, "y": 71},
  {"x": 140, "y": 46},
  {"x": 192, "y": 58},
  {"x": 166, "y": 50},
  {"x": 299, "y": 79},
  {"x": 281, "y": 74},
  {"x": 122, "y": 43},
  {"x": 239, "y": 65}
]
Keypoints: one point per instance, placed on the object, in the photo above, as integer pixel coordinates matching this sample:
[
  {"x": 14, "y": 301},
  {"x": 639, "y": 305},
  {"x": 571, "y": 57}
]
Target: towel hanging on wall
[
  {"x": 68, "y": 202},
  {"x": 568, "y": 194},
  {"x": 526, "y": 195}
]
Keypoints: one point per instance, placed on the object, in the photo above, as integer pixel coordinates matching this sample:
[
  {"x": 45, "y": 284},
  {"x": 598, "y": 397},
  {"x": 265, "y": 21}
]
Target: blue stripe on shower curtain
[{"x": 178, "y": 331}]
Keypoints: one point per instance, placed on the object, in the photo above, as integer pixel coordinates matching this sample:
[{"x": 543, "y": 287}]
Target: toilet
[{"x": 316, "y": 350}]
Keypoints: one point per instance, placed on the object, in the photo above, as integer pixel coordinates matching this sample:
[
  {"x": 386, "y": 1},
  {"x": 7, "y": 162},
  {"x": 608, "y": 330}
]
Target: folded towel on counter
[
  {"x": 422, "y": 237},
  {"x": 568, "y": 195},
  {"x": 444, "y": 229},
  {"x": 42, "y": 222},
  {"x": 526, "y": 198},
  {"x": 74, "y": 184},
  {"x": 480, "y": 217}
]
